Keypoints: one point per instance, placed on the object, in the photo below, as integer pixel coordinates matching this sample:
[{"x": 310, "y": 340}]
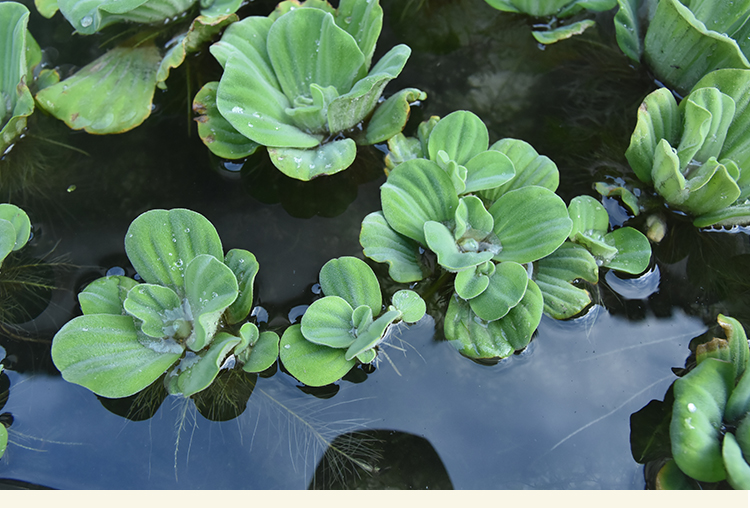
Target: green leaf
[
  {"x": 112, "y": 94},
  {"x": 102, "y": 353},
  {"x": 627, "y": 197},
  {"x": 737, "y": 343},
  {"x": 220, "y": 8},
  {"x": 384, "y": 245},
  {"x": 521, "y": 321},
  {"x": 160, "y": 310},
  {"x": 488, "y": 170},
  {"x": 668, "y": 180},
  {"x": 161, "y": 243},
  {"x": 633, "y": 250},
  {"x": 46, "y": 8},
  {"x": 353, "y": 106},
  {"x": 531, "y": 168},
  {"x": 531, "y": 222},
  {"x": 215, "y": 131},
  {"x": 3, "y": 439},
  {"x": 20, "y": 222},
  {"x": 410, "y": 304},
  {"x": 738, "y": 470},
  {"x": 328, "y": 322},
  {"x": 363, "y": 21},
  {"x": 700, "y": 398},
  {"x": 306, "y": 164},
  {"x": 201, "y": 31},
  {"x": 450, "y": 256},
  {"x": 680, "y": 49},
  {"x": 472, "y": 282},
  {"x": 554, "y": 275},
  {"x": 106, "y": 295},
  {"x": 738, "y": 404},
  {"x": 400, "y": 148},
  {"x": 306, "y": 46},
  {"x": 562, "y": 32},
  {"x": 389, "y": 120},
  {"x": 210, "y": 287},
  {"x": 506, "y": 289},
  {"x": 628, "y": 29},
  {"x": 353, "y": 280},
  {"x": 658, "y": 119},
  {"x": 730, "y": 216},
  {"x": 588, "y": 215},
  {"x": 417, "y": 191},
  {"x": 17, "y": 103},
  {"x": 312, "y": 364},
  {"x": 263, "y": 354},
  {"x": 245, "y": 267},
  {"x": 90, "y": 16},
  {"x": 203, "y": 370},
  {"x": 713, "y": 188},
  {"x": 461, "y": 134}
]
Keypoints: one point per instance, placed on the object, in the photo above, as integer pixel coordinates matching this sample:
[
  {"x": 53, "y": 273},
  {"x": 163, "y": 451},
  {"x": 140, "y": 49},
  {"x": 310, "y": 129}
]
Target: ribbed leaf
[
  {"x": 531, "y": 222},
  {"x": 263, "y": 353},
  {"x": 505, "y": 290},
  {"x": 328, "y": 322},
  {"x": 306, "y": 164},
  {"x": 245, "y": 267},
  {"x": 531, "y": 168},
  {"x": 389, "y": 120},
  {"x": 461, "y": 134},
  {"x": 364, "y": 21},
  {"x": 384, "y": 245},
  {"x": 112, "y": 94},
  {"x": 90, "y": 16},
  {"x": 158, "y": 308},
  {"x": 199, "y": 375},
  {"x": 353, "y": 280},
  {"x": 312, "y": 364},
  {"x": 106, "y": 295},
  {"x": 102, "y": 353},
  {"x": 20, "y": 222}
]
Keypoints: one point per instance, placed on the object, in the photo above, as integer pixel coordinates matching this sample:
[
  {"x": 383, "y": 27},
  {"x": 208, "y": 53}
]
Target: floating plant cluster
[{"x": 479, "y": 222}]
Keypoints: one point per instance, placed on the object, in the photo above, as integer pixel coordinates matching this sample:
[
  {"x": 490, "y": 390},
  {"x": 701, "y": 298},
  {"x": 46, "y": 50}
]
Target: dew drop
[
  {"x": 287, "y": 346},
  {"x": 691, "y": 407},
  {"x": 86, "y": 21}
]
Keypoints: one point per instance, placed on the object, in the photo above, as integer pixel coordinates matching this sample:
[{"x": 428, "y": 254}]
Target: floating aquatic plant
[
  {"x": 297, "y": 82},
  {"x": 486, "y": 212},
  {"x": 185, "y": 318},
  {"x": 114, "y": 93},
  {"x": 682, "y": 41},
  {"x": 705, "y": 428},
  {"x": 696, "y": 154},
  {"x": 346, "y": 325},
  {"x": 19, "y": 54},
  {"x": 555, "y": 9}
]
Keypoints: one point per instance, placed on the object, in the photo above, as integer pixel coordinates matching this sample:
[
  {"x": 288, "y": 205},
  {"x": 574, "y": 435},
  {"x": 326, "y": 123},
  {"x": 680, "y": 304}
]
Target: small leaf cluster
[
  {"x": 186, "y": 318},
  {"x": 346, "y": 325},
  {"x": 709, "y": 425},
  {"x": 683, "y": 41},
  {"x": 299, "y": 83},
  {"x": 15, "y": 229},
  {"x": 696, "y": 154},
  {"x": 555, "y": 9}
]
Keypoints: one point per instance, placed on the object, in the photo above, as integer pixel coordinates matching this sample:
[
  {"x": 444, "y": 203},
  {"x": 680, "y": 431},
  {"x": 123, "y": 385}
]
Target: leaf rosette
[
  {"x": 178, "y": 320},
  {"x": 297, "y": 82},
  {"x": 346, "y": 325},
  {"x": 682, "y": 41},
  {"x": 696, "y": 154},
  {"x": 485, "y": 212}
]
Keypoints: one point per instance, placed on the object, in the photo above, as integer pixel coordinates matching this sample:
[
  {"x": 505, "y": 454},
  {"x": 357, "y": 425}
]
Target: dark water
[{"x": 555, "y": 416}]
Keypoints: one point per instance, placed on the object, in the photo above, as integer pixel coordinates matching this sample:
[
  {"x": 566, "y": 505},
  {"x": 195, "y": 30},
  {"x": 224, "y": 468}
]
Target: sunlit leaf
[{"x": 312, "y": 364}]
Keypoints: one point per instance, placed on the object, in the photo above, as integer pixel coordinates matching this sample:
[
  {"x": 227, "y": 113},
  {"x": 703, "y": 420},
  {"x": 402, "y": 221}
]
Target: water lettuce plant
[
  {"x": 186, "y": 317},
  {"x": 15, "y": 229},
  {"x": 19, "y": 54},
  {"x": 556, "y": 9},
  {"x": 696, "y": 154},
  {"x": 682, "y": 41},
  {"x": 299, "y": 83},
  {"x": 346, "y": 325},
  {"x": 486, "y": 212},
  {"x": 114, "y": 93}
]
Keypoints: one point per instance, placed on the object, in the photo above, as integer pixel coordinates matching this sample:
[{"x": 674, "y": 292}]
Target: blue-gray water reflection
[{"x": 556, "y": 416}]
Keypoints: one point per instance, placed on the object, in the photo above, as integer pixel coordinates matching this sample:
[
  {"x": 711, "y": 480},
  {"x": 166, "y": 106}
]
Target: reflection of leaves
[
  {"x": 227, "y": 396},
  {"x": 140, "y": 406},
  {"x": 326, "y": 197},
  {"x": 649, "y": 430}
]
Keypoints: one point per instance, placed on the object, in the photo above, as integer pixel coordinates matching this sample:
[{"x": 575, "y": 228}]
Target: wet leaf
[
  {"x": 312, "y": 364},
  {"x": 353, "y": 280}
]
